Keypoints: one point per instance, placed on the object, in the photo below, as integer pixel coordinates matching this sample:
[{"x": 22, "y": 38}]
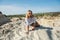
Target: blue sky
[{"x": 10, "y": 7}]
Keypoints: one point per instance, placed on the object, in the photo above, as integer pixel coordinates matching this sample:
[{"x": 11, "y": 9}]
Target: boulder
[{"x": 3, "y": 19}]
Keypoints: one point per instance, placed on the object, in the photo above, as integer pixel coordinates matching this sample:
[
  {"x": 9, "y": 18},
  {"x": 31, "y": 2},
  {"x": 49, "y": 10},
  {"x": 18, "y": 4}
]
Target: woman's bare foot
[{"x": 33, "y": 28}]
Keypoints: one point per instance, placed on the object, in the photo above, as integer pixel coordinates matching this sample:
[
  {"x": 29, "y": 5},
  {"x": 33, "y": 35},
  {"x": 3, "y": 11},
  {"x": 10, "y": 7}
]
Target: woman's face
[{"x": 29, "y": 13}]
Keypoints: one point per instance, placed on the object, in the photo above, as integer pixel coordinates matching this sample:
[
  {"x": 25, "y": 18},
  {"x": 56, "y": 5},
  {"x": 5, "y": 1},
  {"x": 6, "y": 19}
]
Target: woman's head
[{"x": 29, "y": 14}]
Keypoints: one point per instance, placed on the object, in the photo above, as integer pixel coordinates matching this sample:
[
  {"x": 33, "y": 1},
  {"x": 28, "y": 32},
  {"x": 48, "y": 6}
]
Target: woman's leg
[
  {"x": 27, "y": 29},
  {"x": 37, "y": 24}
]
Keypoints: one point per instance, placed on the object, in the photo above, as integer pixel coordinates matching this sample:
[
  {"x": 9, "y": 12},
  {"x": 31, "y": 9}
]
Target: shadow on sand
[{"x": 49, "y": 33}]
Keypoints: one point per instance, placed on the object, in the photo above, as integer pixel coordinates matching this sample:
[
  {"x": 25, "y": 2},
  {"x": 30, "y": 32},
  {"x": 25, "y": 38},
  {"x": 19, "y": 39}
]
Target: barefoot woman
[{"x": 30, "y": 20}]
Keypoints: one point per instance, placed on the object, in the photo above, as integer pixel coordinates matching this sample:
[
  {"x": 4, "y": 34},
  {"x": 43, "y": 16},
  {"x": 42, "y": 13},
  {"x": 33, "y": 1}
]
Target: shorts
[{"x": 32, "y": 24}]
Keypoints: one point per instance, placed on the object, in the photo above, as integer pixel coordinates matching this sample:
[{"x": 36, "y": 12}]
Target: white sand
[{"x": 49, "y": 30}]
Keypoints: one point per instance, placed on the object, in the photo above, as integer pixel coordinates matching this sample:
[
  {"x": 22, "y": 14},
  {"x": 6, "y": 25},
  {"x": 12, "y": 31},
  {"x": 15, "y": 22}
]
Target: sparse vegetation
[{"x": 37, "y": 14}]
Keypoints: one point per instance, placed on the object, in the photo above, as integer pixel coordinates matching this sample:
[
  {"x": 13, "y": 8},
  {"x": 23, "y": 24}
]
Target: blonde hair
[{"x": 27, "y": 16}]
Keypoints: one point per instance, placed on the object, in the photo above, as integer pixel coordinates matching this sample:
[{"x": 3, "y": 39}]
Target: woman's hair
[
  {"x": 29, "y": 11},
  {"x": 27, "y": 16}
]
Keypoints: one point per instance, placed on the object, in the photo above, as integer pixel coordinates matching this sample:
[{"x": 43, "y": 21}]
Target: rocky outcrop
[
  {"x": 16, "y": 30},
  {"x": 3, "y": 19}
]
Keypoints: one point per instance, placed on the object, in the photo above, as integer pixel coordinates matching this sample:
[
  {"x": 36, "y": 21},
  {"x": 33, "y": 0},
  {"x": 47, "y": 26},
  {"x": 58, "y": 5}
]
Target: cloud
[{"x": 11, "y": 9}]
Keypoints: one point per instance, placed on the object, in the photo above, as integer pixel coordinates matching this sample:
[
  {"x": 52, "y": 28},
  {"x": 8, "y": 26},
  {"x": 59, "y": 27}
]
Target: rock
[
  {"x": 15, "y": 30},
  {"x": 15, "y": 19},
  {"x": 3, "y": 19}
]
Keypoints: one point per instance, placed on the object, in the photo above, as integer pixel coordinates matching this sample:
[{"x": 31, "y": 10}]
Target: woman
[{"x": 30, "y": 21}]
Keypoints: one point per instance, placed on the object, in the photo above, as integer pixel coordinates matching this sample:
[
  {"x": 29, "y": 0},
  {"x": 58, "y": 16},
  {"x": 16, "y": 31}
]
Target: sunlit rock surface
[{"x": 49, "y": 29}]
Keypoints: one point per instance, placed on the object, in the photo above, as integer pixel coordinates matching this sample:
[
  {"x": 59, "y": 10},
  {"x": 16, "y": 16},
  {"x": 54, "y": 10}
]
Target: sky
[{"x": 11, "y": 7}]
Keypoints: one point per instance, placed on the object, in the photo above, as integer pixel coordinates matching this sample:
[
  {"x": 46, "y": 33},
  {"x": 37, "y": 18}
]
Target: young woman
[{"x": 30, "y": 20}]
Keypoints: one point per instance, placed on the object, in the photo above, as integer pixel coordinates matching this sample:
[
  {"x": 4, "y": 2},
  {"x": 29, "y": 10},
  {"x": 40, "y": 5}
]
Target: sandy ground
[{"x": 15, "y": 30}]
